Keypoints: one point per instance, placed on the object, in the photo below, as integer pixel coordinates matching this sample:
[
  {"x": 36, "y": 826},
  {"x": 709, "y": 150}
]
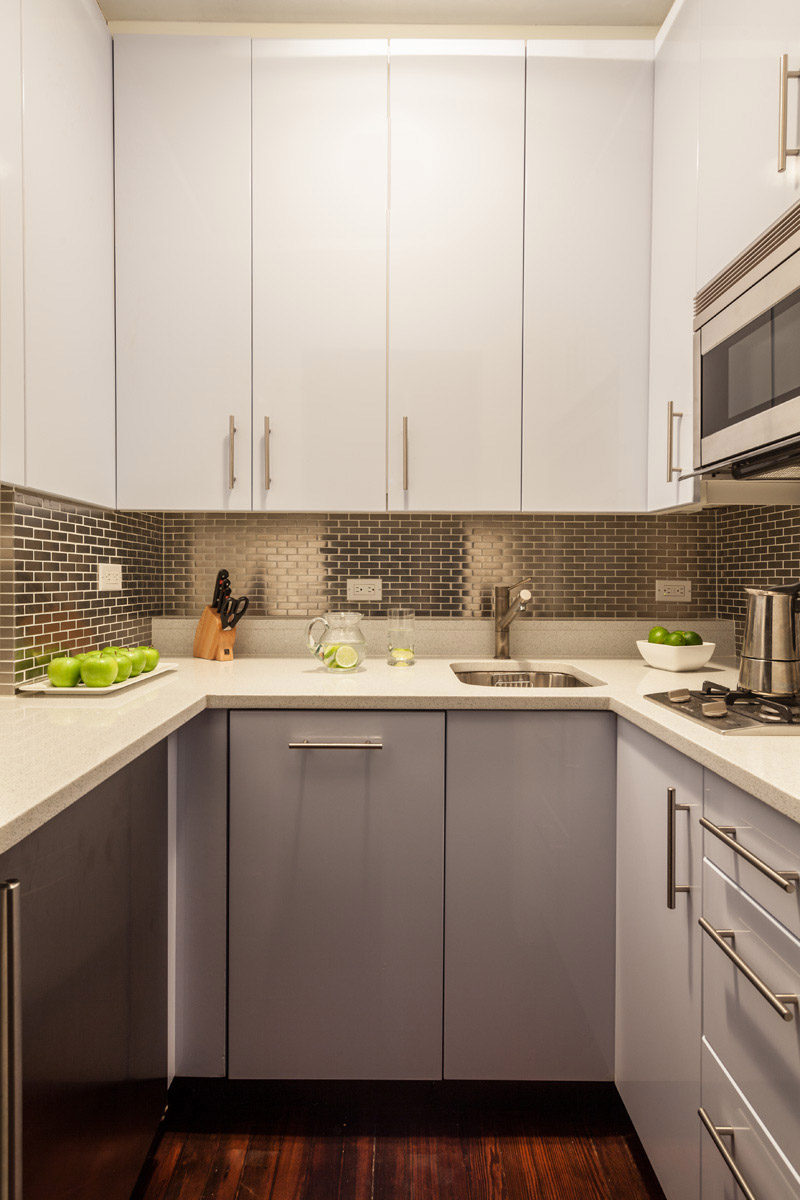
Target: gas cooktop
[{"x": 732, "y": 710}]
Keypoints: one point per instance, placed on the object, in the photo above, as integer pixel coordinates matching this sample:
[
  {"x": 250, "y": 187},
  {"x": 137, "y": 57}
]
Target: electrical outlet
[
  {"x": 364, "y": 589},
  {"x": 673, "y": 589},
  {"x": 109, "y": 577}
]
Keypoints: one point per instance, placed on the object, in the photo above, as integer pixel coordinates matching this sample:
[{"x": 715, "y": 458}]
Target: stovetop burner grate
[{"x": 733, "y": 710}]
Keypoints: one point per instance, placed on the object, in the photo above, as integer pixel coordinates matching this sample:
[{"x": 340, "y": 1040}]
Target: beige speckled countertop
[{"x": 55, "y": 749}]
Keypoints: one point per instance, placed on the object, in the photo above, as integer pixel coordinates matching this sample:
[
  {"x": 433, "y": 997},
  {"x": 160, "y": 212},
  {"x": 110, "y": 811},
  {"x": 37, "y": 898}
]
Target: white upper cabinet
[
  {"x": 12, "y": 339},
  {"x": 320, "y": 146},
  {"x": 741, "y": 190},
  {"x": 457, "y": 114},
  {"x": 69, "y": 250},
  {"x": 587, "y": 276},
  {"x": 182, "y": 116},
  {"x": 673, "y": 280}
]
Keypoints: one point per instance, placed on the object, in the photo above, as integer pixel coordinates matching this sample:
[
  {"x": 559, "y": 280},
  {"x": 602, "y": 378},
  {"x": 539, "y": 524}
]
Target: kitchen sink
[{"x": 520, "y": 674}]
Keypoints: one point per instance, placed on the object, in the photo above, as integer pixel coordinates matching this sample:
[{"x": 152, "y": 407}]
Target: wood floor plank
[{"x": 403, "y": 1142}]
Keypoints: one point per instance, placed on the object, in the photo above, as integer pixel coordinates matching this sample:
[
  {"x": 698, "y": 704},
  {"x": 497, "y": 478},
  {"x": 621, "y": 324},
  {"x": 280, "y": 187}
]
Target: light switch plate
[
  {"x": 364, "y": 589},
  {"x": 109, "y": 577},
  {"x": 673, "y": 589}
]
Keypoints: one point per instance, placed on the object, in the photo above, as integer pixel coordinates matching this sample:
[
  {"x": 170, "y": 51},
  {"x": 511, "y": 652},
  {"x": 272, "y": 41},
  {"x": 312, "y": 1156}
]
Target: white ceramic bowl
[{"x": 676, "y": 658}]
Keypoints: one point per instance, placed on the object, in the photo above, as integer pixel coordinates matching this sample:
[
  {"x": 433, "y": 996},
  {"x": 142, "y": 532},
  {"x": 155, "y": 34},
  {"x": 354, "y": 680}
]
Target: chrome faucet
[{"x": 505, "y": 611}]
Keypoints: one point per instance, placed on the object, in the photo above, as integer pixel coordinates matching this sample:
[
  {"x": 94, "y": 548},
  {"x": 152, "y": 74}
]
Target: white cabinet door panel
[
  {"x": 741, "y": 191},
  {"x": 183, "y": 270},
  {"x": 587, "y": 278},
  {"x": 320, "y": 145},
  {"x": 12, "y": 334},
  {"x": 455, "y": 307},
  {"x": 69, "y": 250},
  {"x": 674, "y": 256}
]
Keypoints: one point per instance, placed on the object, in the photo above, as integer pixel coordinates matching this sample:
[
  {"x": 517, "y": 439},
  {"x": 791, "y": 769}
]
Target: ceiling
[{"x": 415, "y": 12}]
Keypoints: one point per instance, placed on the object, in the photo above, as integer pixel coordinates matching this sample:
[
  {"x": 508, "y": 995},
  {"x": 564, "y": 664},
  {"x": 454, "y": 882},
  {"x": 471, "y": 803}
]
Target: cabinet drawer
[
  {"x": 761, "y": 1049},
  {"x": 771, "y": 837},
  {"x": 762, "y": 1163}
]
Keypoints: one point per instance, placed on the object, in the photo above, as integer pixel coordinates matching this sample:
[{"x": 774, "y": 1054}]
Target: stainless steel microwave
[{"x": 747, "y": 361}]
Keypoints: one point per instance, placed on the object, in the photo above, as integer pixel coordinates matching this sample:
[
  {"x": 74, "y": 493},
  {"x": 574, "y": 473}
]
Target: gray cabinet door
[
  {"x": 659, "y": 957},
  {"x": 336, "y": 891},
  {"x": 94, "y": 986},
  {"x": 529, "y": 939}
]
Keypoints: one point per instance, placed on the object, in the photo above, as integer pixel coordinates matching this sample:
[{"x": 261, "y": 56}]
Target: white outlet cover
[
  {"x": 674, "y": 589},
  {"x": 364, "y": 589},
  {"x": 109, "y": 577}
]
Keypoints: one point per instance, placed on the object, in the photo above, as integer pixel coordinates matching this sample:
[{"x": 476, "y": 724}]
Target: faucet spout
[{"x": 505, "y": 611}]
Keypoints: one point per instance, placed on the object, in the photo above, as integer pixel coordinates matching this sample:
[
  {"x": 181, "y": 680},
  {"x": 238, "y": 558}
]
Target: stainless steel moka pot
[{"x": 770, "y": 659}]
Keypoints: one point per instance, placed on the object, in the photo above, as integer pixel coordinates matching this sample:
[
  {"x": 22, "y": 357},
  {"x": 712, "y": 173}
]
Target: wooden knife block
[{"x": 211, "y": 640}]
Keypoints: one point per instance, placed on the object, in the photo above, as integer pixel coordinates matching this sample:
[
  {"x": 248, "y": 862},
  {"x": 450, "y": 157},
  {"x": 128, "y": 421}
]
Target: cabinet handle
[
  {"x": 231, "y": 453},
  {"x": 266, "y": 454},
  {"x": 10, "y": 1044},
  {"x": 672, "y": 887},
  {"x": 784, "y": 75},
  {"x": 787, "y": 880},
  {"x": 778, "y": 1001},
  {"x": 405, "y": 454},
  {"x": 306, "y": 745},
  {"x": 717, "y": 1133},
  {"x": 672, "y": 416}
]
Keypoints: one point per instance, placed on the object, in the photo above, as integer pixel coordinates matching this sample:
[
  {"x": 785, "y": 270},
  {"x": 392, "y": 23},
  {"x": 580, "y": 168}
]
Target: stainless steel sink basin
[{"x": 520, "y": 674}]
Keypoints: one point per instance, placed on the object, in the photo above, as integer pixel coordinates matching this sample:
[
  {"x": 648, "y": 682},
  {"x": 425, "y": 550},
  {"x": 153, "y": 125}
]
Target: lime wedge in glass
[
  {"x": 400, "y": 655},
  {"x": 346, "y": 657}
]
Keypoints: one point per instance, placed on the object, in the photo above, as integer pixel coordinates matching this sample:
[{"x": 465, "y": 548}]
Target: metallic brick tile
[{"x": 756, "y": 547}]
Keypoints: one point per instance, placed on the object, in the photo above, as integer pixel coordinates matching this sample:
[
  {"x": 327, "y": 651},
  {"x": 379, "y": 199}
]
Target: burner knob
[
  {"x": 714, "y": 708},
  {"x": 679, "y": 695}
]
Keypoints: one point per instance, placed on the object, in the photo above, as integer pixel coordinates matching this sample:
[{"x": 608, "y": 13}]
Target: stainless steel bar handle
[
  {"x": 10, "y": 1044},
  {"x": 787, "y": 880},
  {"x": 306, "y": 745},
  {"x": 672, "y": 887},
  {"x": 784, "y": 75},
  {"x": 778, "y": 1001},
  {"x": 267, "y": 480},
  {"x": 405, "y": 454},
  {"x": 231, "y": 452},
  {"x": 717, "y": 1133},
  {"x": 672, "y": 415}
]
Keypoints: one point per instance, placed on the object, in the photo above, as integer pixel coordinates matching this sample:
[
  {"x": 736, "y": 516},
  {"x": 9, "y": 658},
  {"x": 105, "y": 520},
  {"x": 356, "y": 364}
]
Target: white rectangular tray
[{"x": 43, "y": 686}]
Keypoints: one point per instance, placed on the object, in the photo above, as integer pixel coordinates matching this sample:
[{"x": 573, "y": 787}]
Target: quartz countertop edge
[{"x": 56, "y": 749}]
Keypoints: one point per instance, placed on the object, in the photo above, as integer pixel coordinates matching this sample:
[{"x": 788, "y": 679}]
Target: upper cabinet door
[
  {"x": 182, "y": 112},
  {"x": 673, "y": 280},
  {"x": 320, "y": 146},
  {"x": 741, "y": 190},
  {"x": 12, "y": 337},
  {"x": 587, "y": 276},
  {"x": 69, "y": 250},
  {"x": 457, "y": 114}
]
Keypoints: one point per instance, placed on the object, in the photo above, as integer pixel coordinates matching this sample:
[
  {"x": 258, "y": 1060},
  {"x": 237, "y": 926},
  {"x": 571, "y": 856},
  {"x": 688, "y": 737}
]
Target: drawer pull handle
[
  {"x": 672, "y": 887},
  {"x": 717, "y": 1133},
  {"x": 10, "y": 1044},
  {"x": 306, "y": 745},
  {"x": 784, "y": 879},
  {"x": 778, "y": 1001}
]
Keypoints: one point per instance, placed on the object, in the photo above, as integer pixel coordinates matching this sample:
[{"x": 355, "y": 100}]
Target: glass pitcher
[{"x": 342, "y": 645}]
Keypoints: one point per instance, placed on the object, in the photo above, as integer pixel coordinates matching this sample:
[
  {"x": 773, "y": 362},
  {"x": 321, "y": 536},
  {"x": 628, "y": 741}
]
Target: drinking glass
[{"x": 401, "y": 637}]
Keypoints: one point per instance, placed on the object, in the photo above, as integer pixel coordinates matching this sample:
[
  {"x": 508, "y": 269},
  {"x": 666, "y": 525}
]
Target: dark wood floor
[{"x": 397, "y": 1142}]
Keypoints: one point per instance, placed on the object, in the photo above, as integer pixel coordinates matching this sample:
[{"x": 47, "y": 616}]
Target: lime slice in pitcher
[{"x": 346, "y": 657}]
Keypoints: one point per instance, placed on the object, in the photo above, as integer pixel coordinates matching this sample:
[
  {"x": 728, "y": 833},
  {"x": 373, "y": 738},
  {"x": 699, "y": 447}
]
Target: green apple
[
  {"x": 124, "y": 663},
  {"x": 151, "y": 657},
  {"x": 64, "y": 672},
  {"x": 100, "y": 671},
  {"x": 138, "y": 656}
]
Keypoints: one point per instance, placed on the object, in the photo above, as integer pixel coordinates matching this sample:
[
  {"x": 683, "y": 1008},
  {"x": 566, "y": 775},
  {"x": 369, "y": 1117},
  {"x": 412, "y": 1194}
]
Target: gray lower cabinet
[
  {"x": 659, "y": 954},
  {"x": 335, "y": 895},
  {"x": 93, "y": 909},
  {"x": 529, "y": 939}
]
